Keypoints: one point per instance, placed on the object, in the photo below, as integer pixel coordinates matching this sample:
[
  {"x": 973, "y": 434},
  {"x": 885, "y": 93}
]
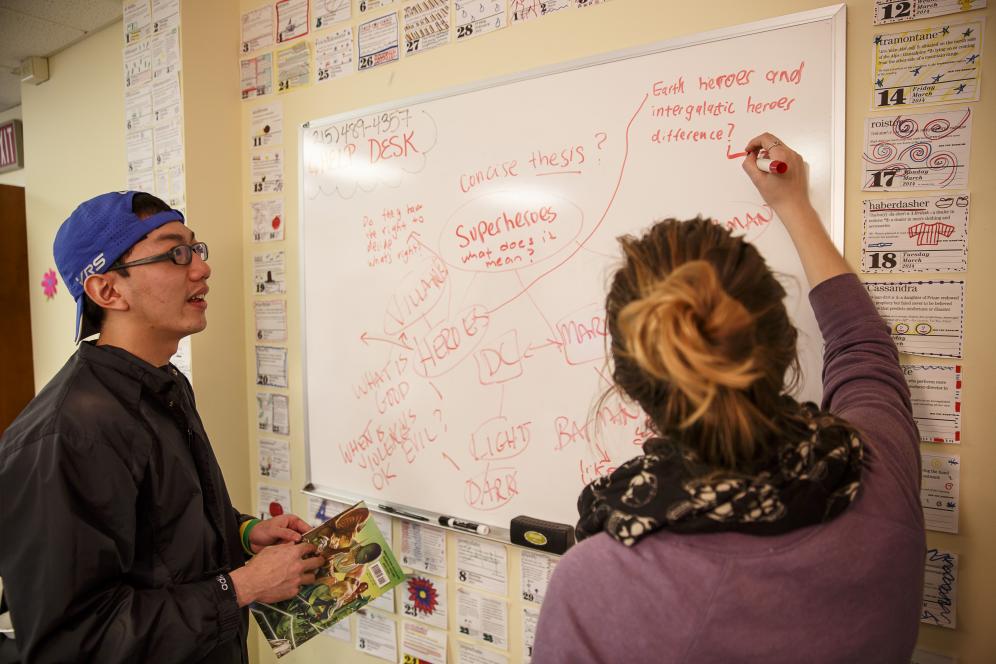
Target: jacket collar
[{"x": 119, "y": 360}]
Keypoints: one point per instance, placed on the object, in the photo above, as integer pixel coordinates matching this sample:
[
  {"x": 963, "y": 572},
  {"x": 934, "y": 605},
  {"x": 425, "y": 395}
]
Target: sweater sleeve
[
  {"x": 864, "y": 384},
  {"x": 68, "y": 520}
]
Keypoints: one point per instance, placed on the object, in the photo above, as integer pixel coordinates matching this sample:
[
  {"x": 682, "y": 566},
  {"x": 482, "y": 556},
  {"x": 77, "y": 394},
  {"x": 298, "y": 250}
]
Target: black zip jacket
[{"x": 116, "y": 529}]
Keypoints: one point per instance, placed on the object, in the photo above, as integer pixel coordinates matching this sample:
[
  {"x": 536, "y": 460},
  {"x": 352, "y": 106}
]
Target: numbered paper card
[
  {"x": 269, "y": 273},
  {"x": 376, "y": 635},
  {"x": 271, "y": 366},
  {"x": 424, "y": 598},
  {"x": 535, "y": 574},
  {"x": 137, "y": 20},
  {"x": 266, "y": 172},
  {"x": 166, "y": 53},
  {"x": 925, "y": 151},
  {"x": 138, "y": 64},
  {"x": 272, "y": 501},
  {"x": 256, "y": 76},
  {"x": 267, "y": 219},
  {"x": 257, "y": 29},
  {"x": 165, "y": 15},
  {"x": 936, "y": 395},
  {"x": 482, "y": 618},
  {"x": 423, "y": 548},
  {"x": 940, "y": 586},
  {"x": 373, "y": 5},
  {"x": 421, "y": 644},
  {"x": 266, "y": 125},
  {"x": 427, "y": 25},
  {"x": 474, "y": 18},
  {"x": 932, "y": 65},
  {"x": 939, "y": 492},
  {"x": 470, "y": 654},
  {"x": 272, "y": 413},
  {"x": 378, "y": 41},
  {"x": 892, "y": 11},
  {"x": 334, "y": 55},
  {"x": 274, "y": 459},
  {"x": 271, "y": 320},
  {"x": 292, "y": 19},
  {"x": 526, "y": 10},
  {"x": 293, "y": 67},
  {"x": 482, "y": 565},
  {"x": 530, "y": 617},
  {"x": 918, "y": 234},
  {"x": 327, "y": 12},
  {"x": 925, "y": 317}
]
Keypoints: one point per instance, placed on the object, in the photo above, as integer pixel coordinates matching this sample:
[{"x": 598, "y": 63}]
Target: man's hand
[
  {"x": 276, "y": 573},
  {"x": 278, "y": 530}
]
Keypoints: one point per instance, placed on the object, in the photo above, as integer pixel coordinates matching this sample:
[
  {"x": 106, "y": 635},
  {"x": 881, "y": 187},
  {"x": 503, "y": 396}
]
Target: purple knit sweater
[{"x": 845, "y": 591}]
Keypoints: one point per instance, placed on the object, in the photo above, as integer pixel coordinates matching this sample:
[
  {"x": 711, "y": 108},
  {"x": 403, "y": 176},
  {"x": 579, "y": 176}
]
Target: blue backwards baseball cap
[{"x": 95, "y": 235}]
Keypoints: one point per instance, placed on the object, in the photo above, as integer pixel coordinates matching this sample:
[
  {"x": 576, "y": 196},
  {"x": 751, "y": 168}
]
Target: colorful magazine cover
[{"x": 359, "y": 567}]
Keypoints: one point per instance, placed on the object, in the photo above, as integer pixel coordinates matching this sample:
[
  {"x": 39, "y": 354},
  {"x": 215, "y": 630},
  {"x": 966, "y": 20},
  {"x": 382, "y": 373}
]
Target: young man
[{"x": 120, "y": 542}]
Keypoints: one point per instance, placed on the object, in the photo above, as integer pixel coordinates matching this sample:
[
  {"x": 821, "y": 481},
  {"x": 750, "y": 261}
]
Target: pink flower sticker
[{"x": 50, "y": 284}]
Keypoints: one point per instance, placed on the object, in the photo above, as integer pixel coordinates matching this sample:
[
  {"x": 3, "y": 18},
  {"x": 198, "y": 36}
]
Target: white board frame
[{"x": 835, "y": 14}]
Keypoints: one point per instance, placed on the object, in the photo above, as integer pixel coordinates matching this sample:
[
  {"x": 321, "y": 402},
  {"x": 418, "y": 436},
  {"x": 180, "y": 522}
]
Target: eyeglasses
[{"x": 181, "y": 254}]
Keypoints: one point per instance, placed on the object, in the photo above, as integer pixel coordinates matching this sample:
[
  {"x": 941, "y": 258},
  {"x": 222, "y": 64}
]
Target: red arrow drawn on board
[
  {"x": 366, "y": 339},
  {"x": 549, "y": 342}
]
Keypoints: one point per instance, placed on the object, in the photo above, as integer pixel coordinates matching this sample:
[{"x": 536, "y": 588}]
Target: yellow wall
[{"x": 74, "y": 131}]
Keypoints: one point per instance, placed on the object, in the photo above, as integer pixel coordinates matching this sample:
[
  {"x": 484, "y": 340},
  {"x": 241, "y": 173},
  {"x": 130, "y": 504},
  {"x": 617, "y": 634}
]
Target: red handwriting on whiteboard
[
  {"x": 499, "y": 361},
  {"x": 417, "y": 294},
  {"x": 759, "y": 217},
  {"x": 583, "y": 334},
  {"x": 726, "y": 80},
  {"x": 495, "y": 487},
  {"x": 498, "y": 438},
  {"x": 506, "y": 169},
  {"x": 572, "y": 155},
  {"x": 449, "y": 342},
  {"x": 392, "y": 147}
]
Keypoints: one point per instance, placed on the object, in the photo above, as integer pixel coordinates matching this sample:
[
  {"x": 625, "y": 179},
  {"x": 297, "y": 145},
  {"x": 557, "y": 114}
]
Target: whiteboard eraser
[{"x": 548, "y": 536}]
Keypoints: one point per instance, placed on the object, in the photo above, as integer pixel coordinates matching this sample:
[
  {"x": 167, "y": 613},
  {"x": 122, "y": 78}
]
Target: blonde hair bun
[{"x": 687, "y": 330}]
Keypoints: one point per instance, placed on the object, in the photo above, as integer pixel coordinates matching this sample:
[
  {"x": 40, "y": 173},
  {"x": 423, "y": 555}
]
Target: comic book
[{"x": 359, "y": 567}]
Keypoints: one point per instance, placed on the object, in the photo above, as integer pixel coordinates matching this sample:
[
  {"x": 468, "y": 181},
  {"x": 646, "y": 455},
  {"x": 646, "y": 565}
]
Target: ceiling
[{"x": 43, "y": 28}]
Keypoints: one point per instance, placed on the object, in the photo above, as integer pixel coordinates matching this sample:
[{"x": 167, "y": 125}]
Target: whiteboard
[{"x": 456, "y": 250}]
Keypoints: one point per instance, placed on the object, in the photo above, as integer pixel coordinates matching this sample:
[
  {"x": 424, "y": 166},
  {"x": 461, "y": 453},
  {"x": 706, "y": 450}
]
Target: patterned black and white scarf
[{"x": 812, "y": 477}]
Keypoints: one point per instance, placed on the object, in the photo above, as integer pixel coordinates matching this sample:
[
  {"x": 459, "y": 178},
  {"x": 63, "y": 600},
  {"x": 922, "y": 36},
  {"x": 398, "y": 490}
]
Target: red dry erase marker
[{"x": 772, "y": 165}]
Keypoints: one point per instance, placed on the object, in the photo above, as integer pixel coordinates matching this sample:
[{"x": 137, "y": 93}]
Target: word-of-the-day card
[
  {"x": 272, "y": 501},
  {"x": 915, "y": 234},
  {"x": 272, "y": 413},
  {"x": 266, "y": 125},
  {"x": 530, "y": 618},
  {"x": 935, "y": 391},
  {"x": 925, "y": 317},
  {"x": 916, "y": 152},
  {"x": 474, "y": 18},
  {"x": 482, "y": 565},
  {"x": 267, "y": 219},
  {"x": 939, "y": 491},
  {"x": 271, "y": 366},
  {"x": 894, "y": 11},
  {"x": 935, "y": 64},
  {"x": 535, "y": 573},
  {"x": 482, "y": 617},
  {"x": 940, "y": 589},
  {"x": 274, "y": 459},
  {"x": 471, "y": 654},
  {"x": 423, "y": 548},
  {"x": 376, "y": 635},
  {"x": 377, "y": 41},
  {"x": 424, "y": 598},
  {"x": 422, "y": 644}
]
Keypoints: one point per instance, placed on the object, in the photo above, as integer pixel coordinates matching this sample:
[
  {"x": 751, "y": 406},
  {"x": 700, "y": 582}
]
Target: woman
[{"x": 753, "y": 528}]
